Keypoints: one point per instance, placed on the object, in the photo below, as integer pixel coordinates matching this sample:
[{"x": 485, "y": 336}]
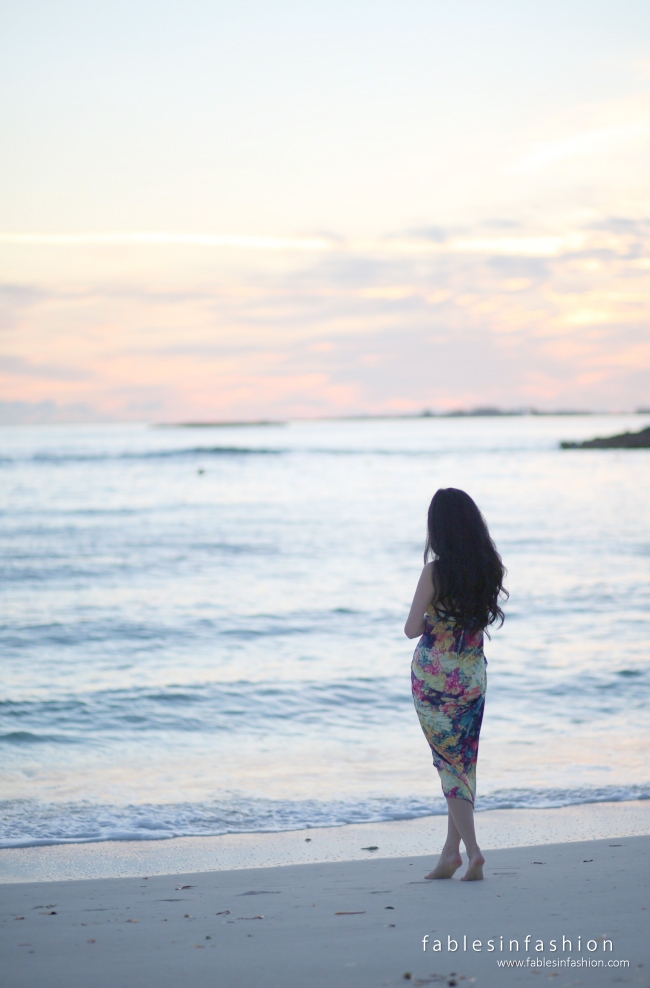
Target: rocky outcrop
[{"x": 626, "y": 440}]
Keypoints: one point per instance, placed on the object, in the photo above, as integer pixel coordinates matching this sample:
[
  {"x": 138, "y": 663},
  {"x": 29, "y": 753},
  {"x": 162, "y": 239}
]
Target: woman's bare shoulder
[
  {"x": 426, "y": 576},
  {"x": 430, "y": 571}
]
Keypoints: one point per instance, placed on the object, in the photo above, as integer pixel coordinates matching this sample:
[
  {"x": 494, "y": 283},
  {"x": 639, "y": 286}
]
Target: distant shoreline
[
  {"x": 624, "y": 440},
  {"x": 487, "y": 412},
  {"x": 426, "y": 414}
]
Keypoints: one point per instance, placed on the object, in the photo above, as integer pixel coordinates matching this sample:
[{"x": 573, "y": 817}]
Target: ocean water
[{"x": 201, "y": 629}]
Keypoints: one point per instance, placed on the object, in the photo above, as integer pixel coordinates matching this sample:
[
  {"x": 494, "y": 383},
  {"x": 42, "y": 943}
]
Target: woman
[{"x": 457, "y": 597}]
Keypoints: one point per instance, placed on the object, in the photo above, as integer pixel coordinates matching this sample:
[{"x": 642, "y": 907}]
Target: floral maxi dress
[{"x": 448, "y": 678}]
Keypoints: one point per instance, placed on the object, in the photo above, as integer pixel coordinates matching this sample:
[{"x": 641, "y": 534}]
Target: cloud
[
  {"x": 544, "y": 246},
  {"x": 532, "y": 246},
  {"x": 47, "y": 413},
  {"x": 22, "y": 367},
  {"x": 586, "y": 142},
  {"x": 155, "y": 239},
  {"x": 506, "y": 320}
]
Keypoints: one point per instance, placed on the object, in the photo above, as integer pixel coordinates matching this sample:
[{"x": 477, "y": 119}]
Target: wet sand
[{"x": 426, "y": 835}]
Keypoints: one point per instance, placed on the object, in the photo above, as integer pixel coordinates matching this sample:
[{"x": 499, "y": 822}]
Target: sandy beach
[{"x": 345, "y": 923}]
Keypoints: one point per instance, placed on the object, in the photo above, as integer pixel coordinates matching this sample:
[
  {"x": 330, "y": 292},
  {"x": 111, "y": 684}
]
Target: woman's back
[{"x": 450, "y": 660}]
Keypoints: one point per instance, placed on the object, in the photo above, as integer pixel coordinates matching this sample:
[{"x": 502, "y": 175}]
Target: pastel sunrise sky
[{"x": 241, "y": 210}]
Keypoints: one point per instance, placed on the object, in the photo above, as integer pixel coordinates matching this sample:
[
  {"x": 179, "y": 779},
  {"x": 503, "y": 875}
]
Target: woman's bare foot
[
  {"x": 474, "y": 871},
  {"x": 447, "y": 865}
]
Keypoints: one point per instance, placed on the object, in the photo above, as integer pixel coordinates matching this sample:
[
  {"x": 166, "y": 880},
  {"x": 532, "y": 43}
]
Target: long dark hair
[{"x": 467, "y": 572}]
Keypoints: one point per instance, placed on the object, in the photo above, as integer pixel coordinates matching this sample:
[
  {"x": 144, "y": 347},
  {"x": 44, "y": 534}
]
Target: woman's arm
[{"x": 424, "y": 594}]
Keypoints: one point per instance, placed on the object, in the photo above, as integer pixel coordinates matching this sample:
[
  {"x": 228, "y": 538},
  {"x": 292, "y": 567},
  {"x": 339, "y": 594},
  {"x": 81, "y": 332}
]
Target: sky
[{"x": 231, "y": 211}]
